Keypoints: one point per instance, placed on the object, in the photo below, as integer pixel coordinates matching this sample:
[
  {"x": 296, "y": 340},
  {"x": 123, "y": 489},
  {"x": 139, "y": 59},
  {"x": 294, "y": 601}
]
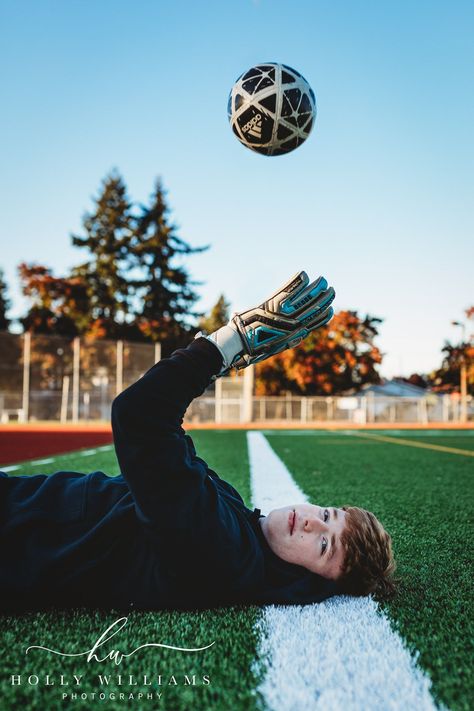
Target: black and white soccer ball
[{"x": 271, "y": 109}]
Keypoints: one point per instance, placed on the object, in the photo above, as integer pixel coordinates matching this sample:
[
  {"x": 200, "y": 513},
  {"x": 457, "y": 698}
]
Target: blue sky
[{"x": 378, "y": 198}]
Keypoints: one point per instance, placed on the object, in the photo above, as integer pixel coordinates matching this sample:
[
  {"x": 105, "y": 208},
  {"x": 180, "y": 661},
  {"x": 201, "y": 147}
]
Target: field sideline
[
  {"x": 422, "y": 494},
  {"x": 22, "y": 441}
]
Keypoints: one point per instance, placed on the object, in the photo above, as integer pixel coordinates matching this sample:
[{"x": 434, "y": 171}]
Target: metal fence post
[
  {"x": 304, "y": 409},
  {"x": 76, "y": 364},
  {"x": 87, "y": 399},
  {"x": 246, "y": 408},
  {"x": 218, "y": 401},
  {"x": 119, "y": 368},
  {"x": 64, "y": 398},
  {"x": 330, "y": 408},
  {"x": 463, "y": 407},
  {"x": 424, "y": 411},
  {"x": 445, "y": 408},
  {"x": 26, "y": 375},
  {"x": 370, "y": 407}
]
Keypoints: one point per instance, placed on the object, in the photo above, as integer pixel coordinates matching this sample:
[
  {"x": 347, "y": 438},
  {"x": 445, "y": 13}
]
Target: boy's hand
[{"x": 280, "y": 322}]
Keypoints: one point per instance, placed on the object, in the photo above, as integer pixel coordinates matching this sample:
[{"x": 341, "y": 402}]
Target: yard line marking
[
  {"x": 9, "y": 469},
  {"x": 407, "y": 443},
  {"x": 88, "y": 453},
  {"x": 104, "y": 448},
  {"x": 427, "y": 433},
  {"x": 338, "y": 654},
  {"x": 394, "y": 433},
  {"x": 40, "y": 461}
]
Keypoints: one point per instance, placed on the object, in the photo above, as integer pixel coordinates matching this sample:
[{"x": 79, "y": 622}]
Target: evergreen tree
[
  {"x": 218, "y": 316},
  {"x": 163, "y": 287},
  {"x": 108, "y": 233},
  {"x": 4, "y": 303}
]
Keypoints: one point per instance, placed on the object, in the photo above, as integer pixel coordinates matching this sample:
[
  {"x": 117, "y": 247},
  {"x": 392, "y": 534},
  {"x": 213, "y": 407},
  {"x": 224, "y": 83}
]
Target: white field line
[
  {"x": 85, "y": 453},
  {"x": 37, "y": 462},
  {"x": 340, "y": 654},
  {"x": 425, "y": 433}
]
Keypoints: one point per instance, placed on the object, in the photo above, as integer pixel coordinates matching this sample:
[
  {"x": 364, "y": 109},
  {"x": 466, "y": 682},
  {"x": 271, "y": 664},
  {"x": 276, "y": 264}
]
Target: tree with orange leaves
[
  {"x": 60, "y": 305},
  {"x": 447, "y": 378},
  {"x": 338, "y": 357}
]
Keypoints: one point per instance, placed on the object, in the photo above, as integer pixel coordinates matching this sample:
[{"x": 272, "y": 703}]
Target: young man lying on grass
[{"x": 169, "y": 532}]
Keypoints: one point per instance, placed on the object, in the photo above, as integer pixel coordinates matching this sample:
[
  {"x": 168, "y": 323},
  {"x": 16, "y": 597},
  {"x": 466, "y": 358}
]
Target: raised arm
[{"x": 155, "y": 457}]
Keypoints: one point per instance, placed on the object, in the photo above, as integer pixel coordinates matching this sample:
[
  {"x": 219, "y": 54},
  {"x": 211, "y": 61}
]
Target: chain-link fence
[
  {"x": 46, "y": 377},
  {"x": 306, "y": 410},
  {"x": 69, "y": 380}
]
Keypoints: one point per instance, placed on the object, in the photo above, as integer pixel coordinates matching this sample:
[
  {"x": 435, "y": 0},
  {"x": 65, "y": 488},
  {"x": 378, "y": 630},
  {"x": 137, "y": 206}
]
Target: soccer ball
[{"x": 271, "y": 109}]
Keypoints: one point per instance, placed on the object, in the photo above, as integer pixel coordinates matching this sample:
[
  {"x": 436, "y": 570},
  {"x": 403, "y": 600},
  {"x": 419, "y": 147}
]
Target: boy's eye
[
  {"x": 326, "y": 515},
  {"x": 324, "y": 545}
]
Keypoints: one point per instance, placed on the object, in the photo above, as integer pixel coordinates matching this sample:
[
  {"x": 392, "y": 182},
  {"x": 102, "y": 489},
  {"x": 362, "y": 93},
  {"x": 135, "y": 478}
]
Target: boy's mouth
[{"x": 292, "y": 521}]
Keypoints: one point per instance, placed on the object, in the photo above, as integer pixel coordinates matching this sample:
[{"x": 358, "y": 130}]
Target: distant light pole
[{"x": 463, "y": 374}]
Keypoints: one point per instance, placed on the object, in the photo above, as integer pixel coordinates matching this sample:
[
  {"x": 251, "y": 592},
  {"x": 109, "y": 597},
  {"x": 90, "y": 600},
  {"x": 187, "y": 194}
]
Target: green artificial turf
[
  {"x": 425, "y": 500},
  {"x": 423, "y": 497},
  {"x": 228, "y": 663}
]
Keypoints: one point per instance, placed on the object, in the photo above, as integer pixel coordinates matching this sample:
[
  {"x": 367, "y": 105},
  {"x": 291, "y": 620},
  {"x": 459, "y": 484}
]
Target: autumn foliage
[
  {"x": 336, "y": 358},
  {"x": 58, "y": 304}
]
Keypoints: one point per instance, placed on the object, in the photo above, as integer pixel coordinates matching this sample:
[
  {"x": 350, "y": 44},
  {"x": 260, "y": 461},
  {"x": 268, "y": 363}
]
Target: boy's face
[{"x": 307, "y": 535}]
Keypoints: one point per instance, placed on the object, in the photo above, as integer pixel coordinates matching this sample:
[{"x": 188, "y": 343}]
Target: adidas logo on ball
[{"x": 254, "y": 126}]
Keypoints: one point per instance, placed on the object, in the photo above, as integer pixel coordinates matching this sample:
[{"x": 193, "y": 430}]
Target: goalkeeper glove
[{"x": 281, "y": 322}]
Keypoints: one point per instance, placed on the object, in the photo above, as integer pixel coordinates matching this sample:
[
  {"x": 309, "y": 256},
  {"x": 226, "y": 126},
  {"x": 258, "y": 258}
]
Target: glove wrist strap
[{"x": 229, "y": 343}]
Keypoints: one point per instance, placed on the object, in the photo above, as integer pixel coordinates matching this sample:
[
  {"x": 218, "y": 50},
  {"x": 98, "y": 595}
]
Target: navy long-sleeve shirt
[{"x": 167, "y": 533}]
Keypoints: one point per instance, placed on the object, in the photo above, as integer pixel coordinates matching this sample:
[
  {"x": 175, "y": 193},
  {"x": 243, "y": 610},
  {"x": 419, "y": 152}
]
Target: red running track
[{"x": 19, "y": 444}]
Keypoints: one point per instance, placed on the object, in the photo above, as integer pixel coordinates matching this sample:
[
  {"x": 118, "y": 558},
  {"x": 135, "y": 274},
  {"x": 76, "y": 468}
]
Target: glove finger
[
  {"x": 312, "y": 291},
  {"x": 294, "y": 285},
  {"x": 319, "y": 319},
  {"x": 315, "y": 308},
  {"x": 295, "y": 342},
  {"x": 301, "y": 298},
  {"x": 325, "y": 298}
]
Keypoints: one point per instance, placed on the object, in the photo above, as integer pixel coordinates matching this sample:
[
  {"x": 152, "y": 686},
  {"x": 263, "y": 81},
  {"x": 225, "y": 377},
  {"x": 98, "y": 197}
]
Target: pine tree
[
  {"x": 218, "y": 316},
  {"x": 4, "y": 303},
  {"x": 163, "y": 288},
  {"x": 108, "y": 233}
]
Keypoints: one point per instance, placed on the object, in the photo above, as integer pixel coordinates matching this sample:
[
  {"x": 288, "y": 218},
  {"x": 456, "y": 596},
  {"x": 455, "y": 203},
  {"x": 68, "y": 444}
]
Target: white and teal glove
[{"x": 281, "y": 322}]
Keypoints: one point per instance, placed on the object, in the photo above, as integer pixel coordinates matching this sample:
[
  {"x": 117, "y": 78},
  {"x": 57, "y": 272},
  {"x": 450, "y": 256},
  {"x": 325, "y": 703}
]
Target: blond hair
[{"x": 368, "y": 561}]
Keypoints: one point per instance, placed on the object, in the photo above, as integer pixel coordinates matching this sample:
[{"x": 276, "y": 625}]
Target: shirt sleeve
[{"x": 171, "y": 487}]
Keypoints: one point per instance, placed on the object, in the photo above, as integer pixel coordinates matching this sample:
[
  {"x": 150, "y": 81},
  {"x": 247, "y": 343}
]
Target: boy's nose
[{"x": 315, "y": 524}]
